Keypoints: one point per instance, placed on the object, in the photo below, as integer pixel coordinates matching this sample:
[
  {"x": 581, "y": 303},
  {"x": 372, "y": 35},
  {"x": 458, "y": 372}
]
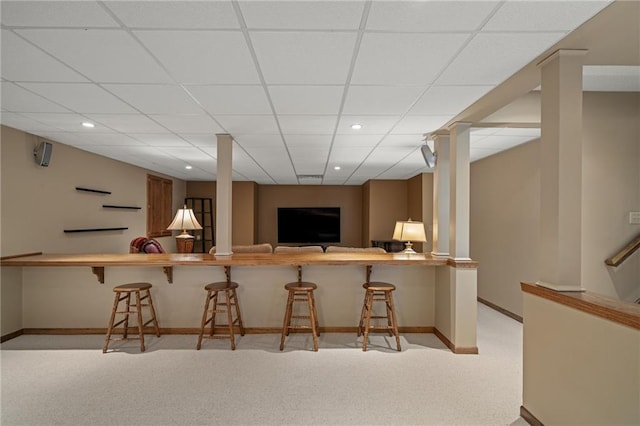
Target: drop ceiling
[{"x": 287, "y": 79}]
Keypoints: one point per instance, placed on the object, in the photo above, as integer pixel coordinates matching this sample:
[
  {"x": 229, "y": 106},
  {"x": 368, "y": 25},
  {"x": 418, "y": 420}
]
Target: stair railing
[{"x": 623, "y": 254}]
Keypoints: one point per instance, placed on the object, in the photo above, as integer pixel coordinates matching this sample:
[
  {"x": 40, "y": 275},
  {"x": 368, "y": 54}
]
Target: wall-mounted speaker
[
  {"x": 429, "y": 156},
  {"x": 42, "y": 154}
]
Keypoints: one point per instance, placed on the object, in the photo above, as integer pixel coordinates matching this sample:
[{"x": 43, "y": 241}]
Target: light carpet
[{"x": 67, "y": 380}]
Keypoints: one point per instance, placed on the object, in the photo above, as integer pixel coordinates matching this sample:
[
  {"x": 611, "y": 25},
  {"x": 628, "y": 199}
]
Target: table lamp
[
  {"x": 184, "y": 221},
  {"x": 409, "y": 231}
]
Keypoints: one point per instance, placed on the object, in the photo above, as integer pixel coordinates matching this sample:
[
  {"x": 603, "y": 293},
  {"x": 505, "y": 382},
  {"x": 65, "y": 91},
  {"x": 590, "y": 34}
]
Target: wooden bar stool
[
  {"x": 377, "y": 291},
  {"x": 123, "y": 293},
  {"x": 301, "y": 291},
  {"x": 227, "y": 287}
]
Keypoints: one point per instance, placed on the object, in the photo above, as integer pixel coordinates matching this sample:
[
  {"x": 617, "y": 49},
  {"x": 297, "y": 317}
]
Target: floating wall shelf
[
  {"x": 97, "y": 191},
  {"x": 110, "y": 206},
  {"x": 94, "y": 230}
]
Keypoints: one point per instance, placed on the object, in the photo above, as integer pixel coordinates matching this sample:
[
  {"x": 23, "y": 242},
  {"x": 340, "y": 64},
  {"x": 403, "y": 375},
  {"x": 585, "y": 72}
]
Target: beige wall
[
  {"x": 38, "y": 203},
  {"x": 387, "y": 204},
  {"x": 348, "y": 198},
  {"x": 610, "y": 190},
  {"x": 505, "y": 193},
  {"x": 505, "y": 223},
  {"x": 420, "y": 207},
  {"x": 579, "y": 368}
]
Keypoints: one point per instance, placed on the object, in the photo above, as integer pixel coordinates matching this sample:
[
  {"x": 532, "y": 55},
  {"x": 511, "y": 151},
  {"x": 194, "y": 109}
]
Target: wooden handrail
[{"x": 627, "y": 251}]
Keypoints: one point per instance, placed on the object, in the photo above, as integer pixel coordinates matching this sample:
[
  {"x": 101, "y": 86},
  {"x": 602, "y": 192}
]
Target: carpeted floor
[{"x": 67, "y": 380}]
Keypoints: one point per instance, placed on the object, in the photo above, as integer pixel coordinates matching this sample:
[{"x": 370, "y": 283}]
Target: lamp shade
[
  {"x": 184, "y": 220},
  {"x": 409, "y": 231}
]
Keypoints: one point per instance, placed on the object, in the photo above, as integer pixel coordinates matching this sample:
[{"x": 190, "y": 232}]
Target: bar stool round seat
[
  {"x": 221, "y": 307},
  {"x": 378, "y": 291},
  {"x": 123, "y": 293},
  {"x": 301, "y": 291}
]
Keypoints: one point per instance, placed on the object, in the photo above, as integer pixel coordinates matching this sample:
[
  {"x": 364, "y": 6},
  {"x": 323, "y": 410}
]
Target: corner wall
[{"x": 38, "y": 203}]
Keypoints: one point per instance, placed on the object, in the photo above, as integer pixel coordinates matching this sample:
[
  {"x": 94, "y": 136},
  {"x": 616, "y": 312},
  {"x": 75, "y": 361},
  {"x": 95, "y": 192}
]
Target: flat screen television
[{"x": 308, "y": 225}]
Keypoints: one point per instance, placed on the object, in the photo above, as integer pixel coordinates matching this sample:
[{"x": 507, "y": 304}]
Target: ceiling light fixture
[
  {"x": 356, "y": 126},
  {"x": 336, "y": 168},
  {"x": 89, "y": 125},
  {"x": 188, "y": 167}
]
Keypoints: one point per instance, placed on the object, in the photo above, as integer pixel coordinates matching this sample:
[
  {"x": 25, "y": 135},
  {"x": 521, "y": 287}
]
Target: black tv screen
[{"x": 303, "y": 225}]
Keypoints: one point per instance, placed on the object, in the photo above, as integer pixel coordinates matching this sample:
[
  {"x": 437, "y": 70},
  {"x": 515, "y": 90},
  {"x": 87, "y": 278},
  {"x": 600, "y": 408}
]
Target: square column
[
  {"x": 441, "y": 177},
  {"x": 459, "y": 181},
  {"x": 561, "y": 170},
  {"x": 223, "y": 195}
]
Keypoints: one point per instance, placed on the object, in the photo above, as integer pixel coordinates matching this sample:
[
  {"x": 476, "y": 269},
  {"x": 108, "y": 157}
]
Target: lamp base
[
  {"x": 184, "y": 244},
  {"x": 408, "y": 248}
]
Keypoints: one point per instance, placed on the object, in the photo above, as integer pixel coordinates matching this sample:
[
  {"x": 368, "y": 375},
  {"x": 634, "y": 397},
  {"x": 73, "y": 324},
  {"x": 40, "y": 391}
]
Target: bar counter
[{"x": 54, "y": 291}]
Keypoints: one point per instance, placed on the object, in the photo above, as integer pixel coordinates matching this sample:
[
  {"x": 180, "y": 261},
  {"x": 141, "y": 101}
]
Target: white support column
[
  {"x": 561, "y": 171},
  {"x": 223, "y": 195},
  {"x": 459, "y": 182},
  {"x": 441, "y": 197}
]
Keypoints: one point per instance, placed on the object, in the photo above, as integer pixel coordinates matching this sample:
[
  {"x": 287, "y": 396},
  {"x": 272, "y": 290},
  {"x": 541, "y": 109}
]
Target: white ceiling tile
[
  {"x": 80, "y": 14},
  {"x": 448, "y": 99},
  {"x": 304, "y": 57},
  {"x": 128, "y": 123},
  {"x": 306, "y": 99},
  {"x": 80, "y": 97},
  {"x": 232, "y": 99},
  {"x": 408, "y": 140},
  {"x": 17, "y": 99},
  {"x": 194, "y": 57},
  {"x": 495, "y": 57},
  {"x": 308, "y": 141},
  {"x": 382, "y": 100},
  {"x": 611, "y": 78},
  {"x": 188, "y": 123},
  {"x": 161, "y": 139},
  {"x": 409, "y": 59},
  {"x": 371, "y": 124},
  {"x": 308, "y": 124},
  {"x": 348, "y": 158},
  {"x": 175, "y": 14},
  {"x": 100, "y": 54},
  {"x": 532, "y": 132},
  {"x": 354, "y": 141},
  {"x": 324, "y": 15},
  {"x": 22, "y": 61},
  {"x": 248, "y": 124},
  {"x": 112, "y": 138},
  {"x": 28, "y": 124},
  {"x": 428, "y": 15},
  {"x": 259, "y": 141},
  {"x": 186, "y": 153},
  {"x": 476, "y": 154},
  {"x": 201, "y": 140},
  {"x": 155, "y": 98},
  {"x": 554, "y": 16},
  {"x": 64, "y": 122},
  {"x": 420, "y": 124}
]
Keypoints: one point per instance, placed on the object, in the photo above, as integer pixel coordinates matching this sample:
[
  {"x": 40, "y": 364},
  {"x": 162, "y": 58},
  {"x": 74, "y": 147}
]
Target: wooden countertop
[
  {"x": 239, "y": 259},
  {"x": 592, "y": 303}
]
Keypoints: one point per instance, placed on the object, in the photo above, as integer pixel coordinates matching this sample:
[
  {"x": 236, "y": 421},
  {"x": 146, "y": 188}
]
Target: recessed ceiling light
[
  {"x": 188, "y": 167},
  {"x": 356, "y": 126},
  {"x": 336, "y": 168},
  {"x": 89, "y": 125}
]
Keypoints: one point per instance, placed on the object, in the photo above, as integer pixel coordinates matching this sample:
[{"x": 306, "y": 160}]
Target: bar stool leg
[
  {"x": 363, "y": 313},
  {"x": 313, "y": 320},
  {"x": 369, "y": 303},
  {"x": 140, "y": 330},
  {"x": 315, "y": 313},
  {"x": 126, "y": 315},
  {"x": 238, "y": 316},
  {"x": 110, "y": 327},
  {"x": 394, "y": 321},
  {"x": 287, "y": 319},
  {"x": 205, "y": 314},
  {"x": 153, "y": 314},
  {"x": 229, "y": 318},
  {"x": 213, "y": 313}
]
